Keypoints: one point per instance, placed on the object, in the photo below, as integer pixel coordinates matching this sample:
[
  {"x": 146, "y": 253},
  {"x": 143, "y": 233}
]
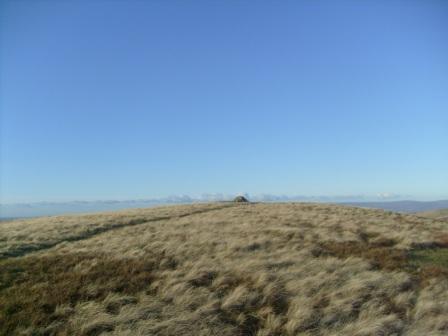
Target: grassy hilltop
[{"x": 225, "y": 269}]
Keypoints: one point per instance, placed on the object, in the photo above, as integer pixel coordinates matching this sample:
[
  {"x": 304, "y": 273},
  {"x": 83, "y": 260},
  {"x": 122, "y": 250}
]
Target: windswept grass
[
  {"x": 33, "y": 288},
  {"x": 225, "y": 269},
  {"x": 21, "y": 237}
]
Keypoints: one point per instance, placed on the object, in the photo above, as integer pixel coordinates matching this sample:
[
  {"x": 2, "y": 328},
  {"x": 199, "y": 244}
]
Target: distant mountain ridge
[{"x": 37, "y": 209}]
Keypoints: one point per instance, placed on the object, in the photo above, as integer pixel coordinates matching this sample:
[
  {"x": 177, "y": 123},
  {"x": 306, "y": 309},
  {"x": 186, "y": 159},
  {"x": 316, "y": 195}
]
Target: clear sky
[{"x": 134, "y": 99}]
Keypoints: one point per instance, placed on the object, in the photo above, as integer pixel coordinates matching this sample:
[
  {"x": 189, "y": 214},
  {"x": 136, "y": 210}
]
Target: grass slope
[
  {"x": 441, "y": 214},
  {"x": 225, "y": 269}
]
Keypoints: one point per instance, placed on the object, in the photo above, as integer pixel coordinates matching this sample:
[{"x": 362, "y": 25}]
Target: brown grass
[
  {"x": 225, "y": 269},
  {"x": 384, "y": 257},
  {"x": 32, "y": 288},
  {"x": 380, "y": 257},
  {"x": 442, "y": 240}
]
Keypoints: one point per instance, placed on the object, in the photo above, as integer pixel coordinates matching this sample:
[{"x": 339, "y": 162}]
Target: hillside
[
  {"x": 225, "y": 269},
  {"x": 441, "y": 214}
]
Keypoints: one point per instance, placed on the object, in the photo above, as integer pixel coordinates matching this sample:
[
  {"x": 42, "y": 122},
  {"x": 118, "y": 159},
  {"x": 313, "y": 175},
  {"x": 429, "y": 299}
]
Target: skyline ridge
[{"x": 34, "y": 209}]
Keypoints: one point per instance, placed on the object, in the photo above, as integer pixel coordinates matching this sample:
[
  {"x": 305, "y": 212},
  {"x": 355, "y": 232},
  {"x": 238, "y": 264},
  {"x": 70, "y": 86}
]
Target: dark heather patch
[
  {"x": 423, "y": 262},
  {"x": 32, "y": 287},
  {"x": 380, "y": 257},
  {"x": 430, "y": 263}
]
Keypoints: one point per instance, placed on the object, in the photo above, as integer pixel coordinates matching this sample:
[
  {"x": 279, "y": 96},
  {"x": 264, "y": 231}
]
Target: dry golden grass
[
  {"x": 441, "y": 214},
  {"x": 225, "y": 269},
  {"x": 22, "y": 236}
]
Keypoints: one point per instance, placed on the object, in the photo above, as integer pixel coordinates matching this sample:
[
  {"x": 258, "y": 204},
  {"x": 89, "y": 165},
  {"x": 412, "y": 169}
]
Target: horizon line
[{"x": 226, "y": 197}]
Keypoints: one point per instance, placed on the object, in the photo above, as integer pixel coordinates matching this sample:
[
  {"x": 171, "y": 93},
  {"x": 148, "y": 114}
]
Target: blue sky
[{"x": 140, "y": 99}]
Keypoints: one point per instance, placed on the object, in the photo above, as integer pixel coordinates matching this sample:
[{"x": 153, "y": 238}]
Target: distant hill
[
  {"x": 7, "y": 219},
  {"x": 403, "y": 206}
]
